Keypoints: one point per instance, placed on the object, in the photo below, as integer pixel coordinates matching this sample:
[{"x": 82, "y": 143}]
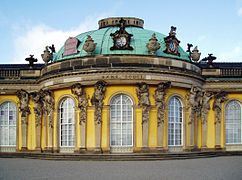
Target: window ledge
[
  {"x": 175, "y": 148},
  {"x": 67, "y": 149},
  {"x": 7, "y": 149},
  {"x": 121, "y": 149},
  {"x": 233, "y": 147}
]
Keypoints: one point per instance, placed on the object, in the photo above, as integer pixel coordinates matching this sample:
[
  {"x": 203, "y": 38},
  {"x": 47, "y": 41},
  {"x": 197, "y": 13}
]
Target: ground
[{"x": 216, "y": 168}]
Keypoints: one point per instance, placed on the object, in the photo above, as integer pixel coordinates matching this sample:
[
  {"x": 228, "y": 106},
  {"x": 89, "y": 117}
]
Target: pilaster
[
  {"x": 160, "y": 136},
  {"x": 83, "y": 136},
  {"x": 204, "y": 135},
  {"x": 98, "y": 130},
  {"x": 24, "y": 135},
  {"x": 38, "y": 137},
  {"x": 217, "y": 135}
]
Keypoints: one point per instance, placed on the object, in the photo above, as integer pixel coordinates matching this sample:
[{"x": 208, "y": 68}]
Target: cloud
[
  {"x": 32, "y": 40},
  {"x": 234, "y": 55},
  {"x": 240, "y": 12}
]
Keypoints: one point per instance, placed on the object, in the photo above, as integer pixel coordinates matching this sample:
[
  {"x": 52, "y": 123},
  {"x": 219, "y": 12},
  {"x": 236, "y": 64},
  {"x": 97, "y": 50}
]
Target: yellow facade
[{"x": 111, "y": 91}]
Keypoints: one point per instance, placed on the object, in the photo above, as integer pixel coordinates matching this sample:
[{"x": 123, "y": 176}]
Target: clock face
[{"x": 121, "y": 41}]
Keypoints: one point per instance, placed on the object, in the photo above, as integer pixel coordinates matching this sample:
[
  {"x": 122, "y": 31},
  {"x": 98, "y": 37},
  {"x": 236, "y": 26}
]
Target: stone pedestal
[
  {"x": 195, "y": 134},
  {"x": 145, "y": 135},
  {"x": 160, "y": 136},
  {"x": 83, "y": 137},
  {"x": 48, "y": 134},
  {"x": 50, "y": 142},
  {"x": 42, "y": 134},
  {"x": 204, "y": 135},
  {"x": 218, "y": 135},
  {"x": 98, "y": 128},
  {"x": 38, "y": 137},
  {"x": 191, "y": 134},
  {"x": 24, "y": 134}
]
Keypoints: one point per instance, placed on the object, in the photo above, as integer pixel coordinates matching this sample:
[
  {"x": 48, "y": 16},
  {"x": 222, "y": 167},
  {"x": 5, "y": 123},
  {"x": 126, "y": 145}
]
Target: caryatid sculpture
[
  {"x": 195, "y": 103},
  {"x": 217, "y": 105},
  {"x": 48, "y": 104},
  {"x": 24, "y": 104},
  {"x": 78, "y": 91},
  {"x": 38, "y": 107},
  {"x": 97, "y": 100},
  {"x": 159, "y": 96},
  {"x": 144, "y": 101},
  {"x": 206, "y": 105}
]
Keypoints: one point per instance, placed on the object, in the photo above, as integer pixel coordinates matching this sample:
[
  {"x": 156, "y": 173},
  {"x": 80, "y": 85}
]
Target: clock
[
  {"x": 121, "y": 38},
  {"x": 121, "y": 41}
]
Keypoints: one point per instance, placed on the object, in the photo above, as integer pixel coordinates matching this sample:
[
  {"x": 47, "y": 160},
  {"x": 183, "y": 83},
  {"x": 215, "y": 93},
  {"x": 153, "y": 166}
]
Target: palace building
[{"x": 121, "y": 89}]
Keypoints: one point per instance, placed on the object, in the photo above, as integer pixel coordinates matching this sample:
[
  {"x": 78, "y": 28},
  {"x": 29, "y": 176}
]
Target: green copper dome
[{"x": 104, "y": 42}]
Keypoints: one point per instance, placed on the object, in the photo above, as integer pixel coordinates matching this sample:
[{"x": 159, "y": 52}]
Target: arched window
[
  {"x": 121, "y": 121},
  {"x": 8, "y": 124},
  {"x": 67, "y": 123},
  {"x": 175, "y": 118},
  {"x": 233, "y": 122}
]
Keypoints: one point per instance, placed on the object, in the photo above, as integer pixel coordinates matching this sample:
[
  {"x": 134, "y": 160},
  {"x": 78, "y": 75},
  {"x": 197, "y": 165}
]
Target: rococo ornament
[
  {"x": 89, "y": 45},
  {"x": 47, "y": 56},
  {"x": 31, "y": 60},
  {"x": 71, "y": 45},
  {"x": 209, "y": 60},
  {"x": 172, "y": 43},
  {"x": 121, "y": 38},
  {"x": 153, "y": 45},
  {"x": 195, "y": 55}
]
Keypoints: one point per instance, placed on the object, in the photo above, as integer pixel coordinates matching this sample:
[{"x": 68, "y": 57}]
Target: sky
[{"x": 26, "y": 27}]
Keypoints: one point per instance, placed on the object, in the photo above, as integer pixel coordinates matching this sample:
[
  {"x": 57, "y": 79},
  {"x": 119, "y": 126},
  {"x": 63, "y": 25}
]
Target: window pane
[
  {"x": 121, "y": 121},
  {"x": 67, "y": 122},
  {"x": 7, "y": 124},
  {"x": 175, "y": 122},
  {"x": 233, "y": 122},
  {"x": 12, "y": 135}
]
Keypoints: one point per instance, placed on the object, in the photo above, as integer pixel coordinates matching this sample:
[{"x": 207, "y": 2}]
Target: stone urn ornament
[
  {"x": 47, "y": 56},
  {"x": 153, "y": 45},
  {"x": 89, "y": 45},
  {"x": 195, "y": 55}
]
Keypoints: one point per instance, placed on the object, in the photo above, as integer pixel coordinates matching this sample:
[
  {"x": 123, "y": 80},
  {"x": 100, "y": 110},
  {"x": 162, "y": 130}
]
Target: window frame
[
  {"x": 8, "y": 125},
  {"x": 181, "y": 123},
  {"x": 67, "y": 123},
  {"x": 121, "y": 122},
  {"x": 226, "y": 124}
]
